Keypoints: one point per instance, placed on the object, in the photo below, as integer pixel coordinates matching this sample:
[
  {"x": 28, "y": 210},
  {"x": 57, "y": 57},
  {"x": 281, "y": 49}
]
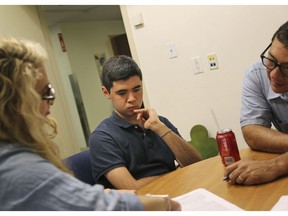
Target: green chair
[{"x": 205, "y": 145}]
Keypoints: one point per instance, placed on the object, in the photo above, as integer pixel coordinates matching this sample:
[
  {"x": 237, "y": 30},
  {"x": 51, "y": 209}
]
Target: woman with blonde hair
[{"x": 32, "y": 174}]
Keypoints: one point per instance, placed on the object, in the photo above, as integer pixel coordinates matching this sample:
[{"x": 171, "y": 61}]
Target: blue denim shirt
[{"x": 29, "y": 182}]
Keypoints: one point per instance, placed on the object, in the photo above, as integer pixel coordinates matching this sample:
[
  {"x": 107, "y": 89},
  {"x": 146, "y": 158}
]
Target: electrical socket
[
  {"x": 197, "y": 65},
  {"x": 212, "y": 61}
]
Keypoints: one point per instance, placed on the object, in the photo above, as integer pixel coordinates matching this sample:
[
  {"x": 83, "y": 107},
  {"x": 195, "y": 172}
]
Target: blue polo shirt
[{"x": 118, "y": 143}]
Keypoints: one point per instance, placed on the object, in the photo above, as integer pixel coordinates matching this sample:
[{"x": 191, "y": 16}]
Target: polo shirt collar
[
  {"x": 272, "y": 95},
  {"x": 120, "y": 121}
]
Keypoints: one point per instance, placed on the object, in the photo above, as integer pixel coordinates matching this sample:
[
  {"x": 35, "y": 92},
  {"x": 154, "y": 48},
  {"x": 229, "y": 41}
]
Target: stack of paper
[
  {"x": 281, "y": 205},
  {"x": 203, "y": 200}
]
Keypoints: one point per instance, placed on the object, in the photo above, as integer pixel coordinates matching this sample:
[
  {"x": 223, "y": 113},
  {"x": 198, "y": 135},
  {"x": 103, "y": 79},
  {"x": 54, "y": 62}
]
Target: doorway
[
  {"x": 87, "y": 31},
  {"x": 120, "y": 45}
]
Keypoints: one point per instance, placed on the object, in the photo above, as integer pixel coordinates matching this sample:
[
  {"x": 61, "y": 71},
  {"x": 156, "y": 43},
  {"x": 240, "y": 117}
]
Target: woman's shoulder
[
  {"x": 17, "y": 153},
  {"x": 17, "y": 162}
]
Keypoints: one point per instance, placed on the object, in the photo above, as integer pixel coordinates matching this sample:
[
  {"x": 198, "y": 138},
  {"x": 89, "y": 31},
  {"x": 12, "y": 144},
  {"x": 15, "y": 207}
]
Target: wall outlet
[
  {"x": 197, "y": 65},
  {"x": 212, "y": 61}
]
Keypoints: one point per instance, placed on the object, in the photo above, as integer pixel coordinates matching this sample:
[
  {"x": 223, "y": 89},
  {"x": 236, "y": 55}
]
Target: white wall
[
  {"x": 237, "y": 34},
  {"x": 24, "y": 22}
]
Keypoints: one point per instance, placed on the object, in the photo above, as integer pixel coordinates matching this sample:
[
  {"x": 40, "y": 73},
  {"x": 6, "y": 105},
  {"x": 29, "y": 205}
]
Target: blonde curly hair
[{"x": 21, "y": 122}]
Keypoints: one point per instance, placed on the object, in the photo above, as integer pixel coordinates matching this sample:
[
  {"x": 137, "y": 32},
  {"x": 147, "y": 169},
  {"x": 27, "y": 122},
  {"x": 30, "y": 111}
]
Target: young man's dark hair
[{"x": 119, "y": 68}]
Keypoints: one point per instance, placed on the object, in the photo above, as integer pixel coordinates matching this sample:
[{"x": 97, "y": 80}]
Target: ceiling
[{"x": 56, "y": 14}]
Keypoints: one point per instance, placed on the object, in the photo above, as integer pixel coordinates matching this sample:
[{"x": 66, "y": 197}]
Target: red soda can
[{"x": 227, "y": 146}]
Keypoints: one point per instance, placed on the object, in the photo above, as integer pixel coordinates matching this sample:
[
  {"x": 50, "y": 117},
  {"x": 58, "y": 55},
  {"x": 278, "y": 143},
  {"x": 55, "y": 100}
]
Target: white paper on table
[
  {"x": 203, "y": 200},
  {"x": 281, "y": 205}
]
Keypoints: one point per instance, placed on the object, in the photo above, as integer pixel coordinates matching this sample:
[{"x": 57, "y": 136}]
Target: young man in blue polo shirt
[{"x": 134, "y": 146}]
